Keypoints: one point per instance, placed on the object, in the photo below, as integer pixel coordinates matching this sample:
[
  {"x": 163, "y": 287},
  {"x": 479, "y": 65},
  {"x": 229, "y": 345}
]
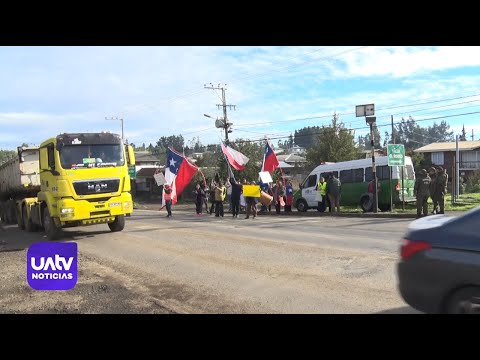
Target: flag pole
[{"x": 231, "y": 175}]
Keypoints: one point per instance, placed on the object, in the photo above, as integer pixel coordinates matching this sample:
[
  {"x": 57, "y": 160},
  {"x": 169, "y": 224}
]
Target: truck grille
[{"x": 87, "y": 187}]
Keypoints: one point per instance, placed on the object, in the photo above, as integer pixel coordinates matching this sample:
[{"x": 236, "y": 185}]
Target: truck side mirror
[
  {"x": 130, "y": 155},
  {"x": 44, "y": 159}
]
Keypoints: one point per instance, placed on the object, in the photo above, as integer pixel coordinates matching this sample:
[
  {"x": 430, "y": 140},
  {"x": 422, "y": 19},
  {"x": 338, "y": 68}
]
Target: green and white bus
[{"x": 355, "y": 176}]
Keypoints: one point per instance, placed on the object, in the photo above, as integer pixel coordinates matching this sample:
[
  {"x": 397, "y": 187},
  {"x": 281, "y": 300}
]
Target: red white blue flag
[{"x": 178, "y": 173}]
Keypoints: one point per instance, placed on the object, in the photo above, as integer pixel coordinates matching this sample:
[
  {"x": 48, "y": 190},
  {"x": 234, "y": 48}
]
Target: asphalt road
[{"x": 190, "y": 264}]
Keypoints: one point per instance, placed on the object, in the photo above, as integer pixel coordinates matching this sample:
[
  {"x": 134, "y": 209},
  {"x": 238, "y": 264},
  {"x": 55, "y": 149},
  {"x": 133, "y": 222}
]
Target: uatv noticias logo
[{"x": 52, "y": 266}]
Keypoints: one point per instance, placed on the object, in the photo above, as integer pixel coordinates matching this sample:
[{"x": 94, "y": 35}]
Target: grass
[{"x": 464, "y": 203}]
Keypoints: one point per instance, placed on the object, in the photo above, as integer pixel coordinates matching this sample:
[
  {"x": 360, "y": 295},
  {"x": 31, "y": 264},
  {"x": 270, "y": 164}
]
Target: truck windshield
[{"x": 88, "y": 156}]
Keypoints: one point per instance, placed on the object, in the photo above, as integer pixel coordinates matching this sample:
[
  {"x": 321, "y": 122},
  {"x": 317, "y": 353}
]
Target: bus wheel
[
  {"x": 301, "y": 206},
  {"x": 384, "y": 207},
  {"x": 366, "y": 203}
]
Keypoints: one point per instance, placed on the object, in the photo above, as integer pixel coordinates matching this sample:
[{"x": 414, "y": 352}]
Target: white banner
[
  {"x": 265, "y": 177},
  {"x": 159, "y": 178}
]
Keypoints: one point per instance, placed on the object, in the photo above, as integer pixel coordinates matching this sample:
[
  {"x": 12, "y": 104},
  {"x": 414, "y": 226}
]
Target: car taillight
[
  {"x": 397, "y": 187},
  {"x": 410, "y": 247}
]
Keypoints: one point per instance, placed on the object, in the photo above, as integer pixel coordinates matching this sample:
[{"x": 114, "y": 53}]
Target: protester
[
  {"x": 199, "y": 196},
  {"x": 220, "y": 193},
  {"x": 168, "y": 199},
  {"x": 289, "y": 197},
  {"x": 334, "y": 191},
  {"x": 236, "y": 192}
]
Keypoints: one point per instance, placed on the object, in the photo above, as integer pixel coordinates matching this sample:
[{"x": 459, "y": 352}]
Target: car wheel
[
  {"x": 464, "y": 301},
  {"x": 118, "y": 224},
  {"x": 301, "y": 206}
]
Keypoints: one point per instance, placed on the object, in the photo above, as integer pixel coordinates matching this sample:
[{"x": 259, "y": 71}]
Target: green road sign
[
  {"x": 132, "y": 172},
  {"x": 396, "y": 155}
]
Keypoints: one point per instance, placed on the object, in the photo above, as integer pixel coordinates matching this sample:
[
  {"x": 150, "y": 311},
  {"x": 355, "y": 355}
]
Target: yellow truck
[{"x": 79, "y": 179}]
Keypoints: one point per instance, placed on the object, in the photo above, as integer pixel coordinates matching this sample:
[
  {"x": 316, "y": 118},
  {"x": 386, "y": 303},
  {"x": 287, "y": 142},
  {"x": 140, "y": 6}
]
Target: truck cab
[{"x": 84, "y": 180}]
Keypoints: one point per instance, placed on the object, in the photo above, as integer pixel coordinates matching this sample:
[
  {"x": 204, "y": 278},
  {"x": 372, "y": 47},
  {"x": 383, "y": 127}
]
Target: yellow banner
[{"x": 251, "y": 191}]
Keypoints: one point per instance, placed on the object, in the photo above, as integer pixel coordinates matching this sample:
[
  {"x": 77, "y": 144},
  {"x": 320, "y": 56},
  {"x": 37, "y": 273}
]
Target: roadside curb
[{"x": 307, "y": 214}]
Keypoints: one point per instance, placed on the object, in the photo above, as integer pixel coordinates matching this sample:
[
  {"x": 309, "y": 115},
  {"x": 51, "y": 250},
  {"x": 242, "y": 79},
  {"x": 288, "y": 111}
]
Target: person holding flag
[{"x": 178, "y": 173}]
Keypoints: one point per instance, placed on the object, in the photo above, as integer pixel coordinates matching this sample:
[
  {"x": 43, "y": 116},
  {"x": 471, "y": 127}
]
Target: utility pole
[
  {"x": 225, "y": 124},
  {"x": 117, "y": 119}
]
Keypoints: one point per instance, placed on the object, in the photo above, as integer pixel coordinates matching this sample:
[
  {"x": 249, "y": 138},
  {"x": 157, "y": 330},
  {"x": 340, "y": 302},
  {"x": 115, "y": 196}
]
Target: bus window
[
  {"x": 346, "y": 176},
  {"x": 368, "y": 174},
  {"x": 311, "y": 181},
  {"x": 357, "y": 175},
  {"x": 409, "y": 172},
  {"x": 383, "y": 172}
]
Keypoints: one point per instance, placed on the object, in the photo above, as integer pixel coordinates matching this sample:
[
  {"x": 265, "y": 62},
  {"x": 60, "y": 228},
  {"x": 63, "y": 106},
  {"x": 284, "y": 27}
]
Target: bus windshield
[{"x": 88, "y": 156}]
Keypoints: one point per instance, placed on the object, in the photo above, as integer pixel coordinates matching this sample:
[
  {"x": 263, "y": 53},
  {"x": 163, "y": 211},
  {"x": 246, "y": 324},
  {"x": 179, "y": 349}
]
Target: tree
[
  {"x": 306, "y": 137},
  {"x": 334, "y": 143},
  {"x": 290, "y": 141},
  {"x": 463, "y": 137},
  {"x": 410, "y": 134},
  {"x": 365, "y": 140},
  {"x": 6, "y": 155},
  {"x": 173, "y": 141}
]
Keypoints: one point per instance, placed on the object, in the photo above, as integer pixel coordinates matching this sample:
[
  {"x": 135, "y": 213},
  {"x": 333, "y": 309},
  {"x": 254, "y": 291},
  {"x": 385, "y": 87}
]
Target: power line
[
  {"x": 381, "y": 109},
  {"x": 367, "y": 127}
]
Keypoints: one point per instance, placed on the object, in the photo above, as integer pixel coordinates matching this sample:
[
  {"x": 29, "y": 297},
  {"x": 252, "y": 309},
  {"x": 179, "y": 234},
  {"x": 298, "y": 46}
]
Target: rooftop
[{"x": 449, "y": 146}]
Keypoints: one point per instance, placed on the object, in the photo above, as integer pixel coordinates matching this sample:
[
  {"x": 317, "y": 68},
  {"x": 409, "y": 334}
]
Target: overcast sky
[{"x": 159, "y": 91}]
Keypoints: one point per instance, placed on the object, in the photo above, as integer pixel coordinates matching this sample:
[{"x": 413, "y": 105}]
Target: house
[
  {"x": 292, "y": 159},
  {"x": 146, "y": 164},
  {"x": 378, "y": 152},
  {"x": 443, "y": 154},
  {"x": 298, "y": 150}
]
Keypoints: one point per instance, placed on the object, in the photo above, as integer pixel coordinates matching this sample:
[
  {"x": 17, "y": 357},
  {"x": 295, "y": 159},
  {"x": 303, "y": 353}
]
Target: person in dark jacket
[
  {"x": 441, "y": 188},
  {"x": 334, "y": 191},
  {"x": 236, "y": 192},
  {"x": 432, "y": 173},
  {"x": 199, "y": 195},
  {"x": 422, "y": 191}
]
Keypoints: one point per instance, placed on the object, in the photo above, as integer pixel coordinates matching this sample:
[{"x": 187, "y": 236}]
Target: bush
[{"x": 473, "y": 183}]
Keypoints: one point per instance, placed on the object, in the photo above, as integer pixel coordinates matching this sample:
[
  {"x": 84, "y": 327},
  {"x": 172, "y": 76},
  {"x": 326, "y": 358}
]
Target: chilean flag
[
  {"x": 270, "y": 161},
  {"x": 178, "y": 173},
  {"x": 236, "y": 159}
]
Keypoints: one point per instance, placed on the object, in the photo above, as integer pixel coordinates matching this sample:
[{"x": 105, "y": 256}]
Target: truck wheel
[
  {"x": 27, "y": 222},
  {"x": 51, "y": 230},
  {"x": 302, "y": 206},
  {"x": 20, "y": 223},
  {"x": 118, "y": 224}
]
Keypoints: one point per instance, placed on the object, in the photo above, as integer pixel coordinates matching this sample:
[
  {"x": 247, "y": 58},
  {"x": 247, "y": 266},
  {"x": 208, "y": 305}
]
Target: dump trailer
[
  {"x": 82, "y": 180},
  {"x": 19, "y": 179}
]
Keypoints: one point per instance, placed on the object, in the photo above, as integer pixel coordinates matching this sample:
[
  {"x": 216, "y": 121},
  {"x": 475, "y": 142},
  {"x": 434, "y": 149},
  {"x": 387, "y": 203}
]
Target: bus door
[{"x": 308, "y": 190}]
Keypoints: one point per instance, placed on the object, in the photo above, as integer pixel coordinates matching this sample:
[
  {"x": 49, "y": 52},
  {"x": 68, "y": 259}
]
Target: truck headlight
[
  {"x": 67, "y": 210},
  {"x": 127, "y": 204}
]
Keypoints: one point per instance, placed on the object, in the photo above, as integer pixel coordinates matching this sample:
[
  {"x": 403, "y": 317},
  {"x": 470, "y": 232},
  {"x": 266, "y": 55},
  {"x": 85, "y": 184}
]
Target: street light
[{"x": 117, "y": 119}]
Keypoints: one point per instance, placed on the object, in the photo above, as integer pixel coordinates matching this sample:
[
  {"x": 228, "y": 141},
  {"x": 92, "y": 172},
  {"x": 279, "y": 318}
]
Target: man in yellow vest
[{"x": 321, "y": 190}]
